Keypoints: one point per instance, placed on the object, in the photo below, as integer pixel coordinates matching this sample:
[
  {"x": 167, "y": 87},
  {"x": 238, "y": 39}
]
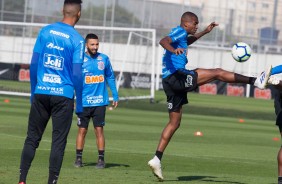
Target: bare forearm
[
  {"x": 200, "y": 34},
  {"x": 165, "y": 43}
]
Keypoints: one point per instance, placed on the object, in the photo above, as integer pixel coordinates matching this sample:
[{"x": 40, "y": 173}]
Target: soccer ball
[{"x": 241, "y": 52}]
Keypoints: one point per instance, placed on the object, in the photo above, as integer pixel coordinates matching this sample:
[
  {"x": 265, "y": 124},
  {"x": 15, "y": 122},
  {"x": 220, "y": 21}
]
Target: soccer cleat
[
  {"x": 78, "y": 163},
  {"x": 22, "y": 182},
  {"x": 100, "y": 164},
  {"x": 262, "y": 79},
  {"x": 155, "y": 165},
  {"x": 273, "y": 80}
]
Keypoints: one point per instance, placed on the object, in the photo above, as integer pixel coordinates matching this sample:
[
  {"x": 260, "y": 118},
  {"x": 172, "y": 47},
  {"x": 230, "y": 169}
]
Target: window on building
[
  {"x": 265, "y": 5},
  {"x": 264, "y": 19},
  {"x": 251, "y": 18}
]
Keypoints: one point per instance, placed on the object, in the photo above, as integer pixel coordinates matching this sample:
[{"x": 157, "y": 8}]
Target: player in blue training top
[
  {"x": 177, "y": 80},
  {"x": 97, "y": 74},
  {"x": 55, "y": 72}
]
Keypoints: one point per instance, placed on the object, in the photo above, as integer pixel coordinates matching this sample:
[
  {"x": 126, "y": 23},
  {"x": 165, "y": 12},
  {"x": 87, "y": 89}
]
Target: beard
[{"x": 91, "y": 52}]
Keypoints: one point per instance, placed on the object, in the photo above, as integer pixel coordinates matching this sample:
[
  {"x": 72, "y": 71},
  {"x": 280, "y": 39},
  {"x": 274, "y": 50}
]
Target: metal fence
[{"x": 257, "y": 22}]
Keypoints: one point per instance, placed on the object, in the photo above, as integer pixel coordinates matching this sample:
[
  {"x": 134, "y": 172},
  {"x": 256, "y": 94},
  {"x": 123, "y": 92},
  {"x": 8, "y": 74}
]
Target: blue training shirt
[
  {"x": 59, "y": 46},
  {"x": 97, "y": 73},
  {"x": 171, "y": 61}
]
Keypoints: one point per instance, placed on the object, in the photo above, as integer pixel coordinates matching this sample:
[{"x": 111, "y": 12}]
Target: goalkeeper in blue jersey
[
  {"x": 97, "y": 74},
  {"x": 55, "y": 72},
  {"x": 178, "y": 81}
]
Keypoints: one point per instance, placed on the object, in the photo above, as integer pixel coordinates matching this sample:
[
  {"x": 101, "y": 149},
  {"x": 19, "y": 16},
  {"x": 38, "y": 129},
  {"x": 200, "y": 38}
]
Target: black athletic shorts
[
  {"x": 96, "y": 113},
  {"x": 278, "y": 107},
  {"x": 176, "y": 87}
]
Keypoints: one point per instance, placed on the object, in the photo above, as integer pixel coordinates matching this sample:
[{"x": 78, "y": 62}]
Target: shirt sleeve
[
  {"x": 78, "y": 85},
  {"x": 110, "y": 78},
  {"x": 33, "y": 73},
  {"x": 79, "y": 52},
  {"x": 177, "y": 35}
]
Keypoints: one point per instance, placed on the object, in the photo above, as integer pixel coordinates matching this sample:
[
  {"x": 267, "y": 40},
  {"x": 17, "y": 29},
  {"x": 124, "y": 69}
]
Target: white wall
[{"x": 139, "y": 58}]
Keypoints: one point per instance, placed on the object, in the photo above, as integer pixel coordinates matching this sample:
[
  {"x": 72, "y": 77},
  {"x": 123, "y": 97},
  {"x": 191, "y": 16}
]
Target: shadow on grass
[
  {"x": 108, "y": 165},
  {"x": 205, "y": 179}
]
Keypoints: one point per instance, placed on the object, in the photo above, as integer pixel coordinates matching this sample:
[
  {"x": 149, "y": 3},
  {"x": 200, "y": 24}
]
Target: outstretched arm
[{"x": 193, "y": 38}]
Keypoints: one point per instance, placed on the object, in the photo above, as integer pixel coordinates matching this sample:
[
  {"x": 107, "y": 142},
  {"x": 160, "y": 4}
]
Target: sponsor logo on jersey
[
  {"x": 92, "y": 79},
  {"x": 85, "y": 59},
  {"x": 101, "y": 65},
  {"x": 52, "y": 90},
  {"x": 52, "y": 46},
  {"x": 52, "y": 78},
  {"x": 53, "y": 61},
  {"x": 94, "y": 99},
  {"x": 60, "y": 34}
]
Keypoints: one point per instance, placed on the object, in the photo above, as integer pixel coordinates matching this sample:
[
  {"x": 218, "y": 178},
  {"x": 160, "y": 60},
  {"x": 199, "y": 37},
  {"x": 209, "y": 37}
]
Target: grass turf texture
[{"x": 228, "y": 152}]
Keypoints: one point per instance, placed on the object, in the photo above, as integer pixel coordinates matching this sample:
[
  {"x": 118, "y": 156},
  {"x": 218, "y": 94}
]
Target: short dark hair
[
  {"x": 188, "y": 14},
  {"x": 73, "y": 2},
  {"x": 91, "y": 36}
]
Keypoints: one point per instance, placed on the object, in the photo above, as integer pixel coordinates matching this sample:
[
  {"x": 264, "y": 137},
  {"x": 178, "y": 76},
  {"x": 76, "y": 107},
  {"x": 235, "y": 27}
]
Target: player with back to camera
[
  {"x": 178, "y": 81},
  {"x": 97, "y": 73},
  {"x": 55, "y": 72}
]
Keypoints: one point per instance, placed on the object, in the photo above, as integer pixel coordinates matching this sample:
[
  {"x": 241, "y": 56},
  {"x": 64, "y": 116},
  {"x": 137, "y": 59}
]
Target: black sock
[
  {"x": 53, "y": 178},
  {"x": 159, "y": 154},
  {"x": 279, "y": 179},
  {"x": 252, "y": 80},
  {"x": 101, "y": 154},
  {"x": 79, "y": 154},
  {"x": 244, "y": 79}
]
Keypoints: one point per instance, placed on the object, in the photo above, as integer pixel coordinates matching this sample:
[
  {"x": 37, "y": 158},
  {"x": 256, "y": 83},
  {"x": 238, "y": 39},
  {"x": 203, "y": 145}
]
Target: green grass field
[{"x": 229, "y": 152}]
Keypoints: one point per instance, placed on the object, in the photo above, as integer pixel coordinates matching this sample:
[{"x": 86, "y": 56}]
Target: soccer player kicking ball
[
  {"x": 97, "y": 73},
  {"x": 177, "y": 80}
]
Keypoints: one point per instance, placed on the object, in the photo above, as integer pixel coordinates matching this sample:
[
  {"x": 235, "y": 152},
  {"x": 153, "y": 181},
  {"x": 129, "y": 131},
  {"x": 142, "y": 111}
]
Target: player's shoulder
[
  {"x": 178, "y": 31},
  {"x": 102, "y": 56}
]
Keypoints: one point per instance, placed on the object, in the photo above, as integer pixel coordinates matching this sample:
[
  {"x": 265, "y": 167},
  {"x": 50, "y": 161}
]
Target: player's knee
[
  {"x": 34, "y": 142},
  {"x": 83, "y": 131},
  {"x": 218, "y": 71},
  {"x": 175, "y": 124}
]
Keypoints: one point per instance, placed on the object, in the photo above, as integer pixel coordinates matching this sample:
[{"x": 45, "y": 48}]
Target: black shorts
[
  {"x": 278, "y": 107},
  {"x": 176, "y": 87},
  {"x": 96, "y": 113}
]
